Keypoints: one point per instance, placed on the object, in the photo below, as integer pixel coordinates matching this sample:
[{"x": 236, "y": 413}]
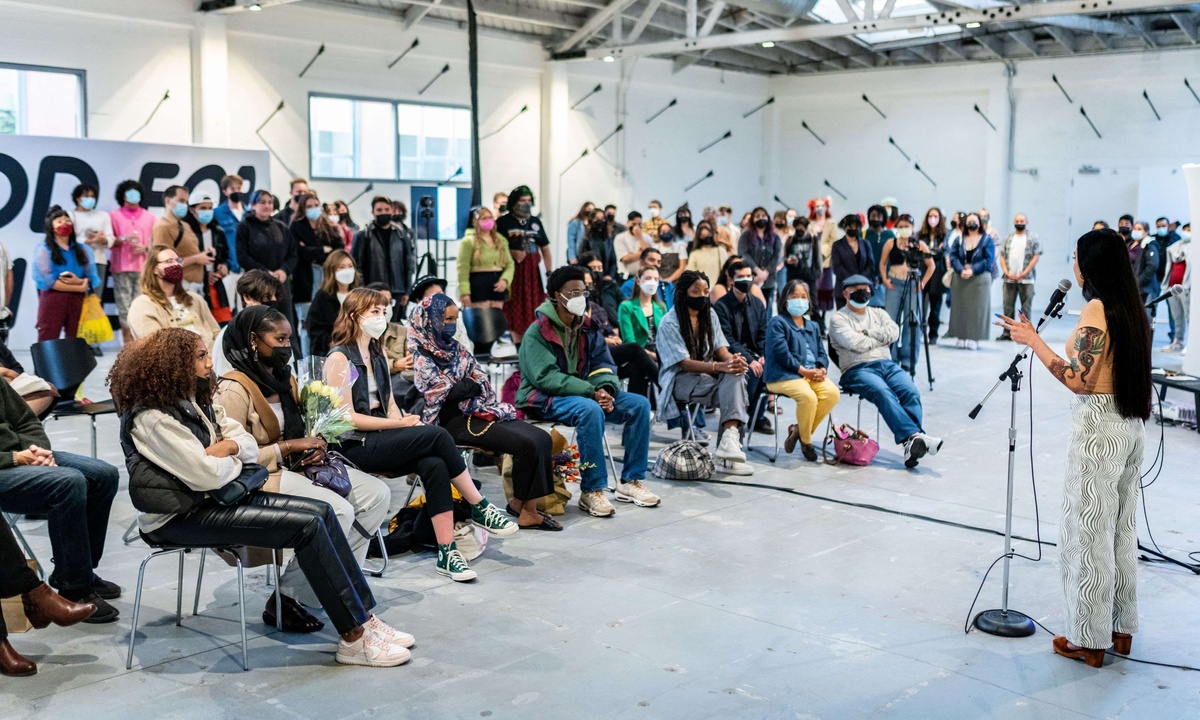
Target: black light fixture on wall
[
  {"x": 652, "y": 118},
  {"x": 592, "y": 92},
  {"x": 769, "y": 101},
  {"x": 320, "y": 52},
  {"x": 728, "y": 134},
  {"x": 1089, "y": 122},
  {"x": 167, "y": 96},
  {"x": 985, "y": 117},
  {"x": 445, "y": 69},
  {"x": 841, "y": 194},
  {"x": 1060, "y": 87},
  {"x": 1153, "y": 109},
  {"x": 415, "y": 42},
  {"x": 901, "y": 150},
  {"x": 706, "y": 176},
  {"x": 867, "y": 100},
  {"x": 812, "y": 132}
]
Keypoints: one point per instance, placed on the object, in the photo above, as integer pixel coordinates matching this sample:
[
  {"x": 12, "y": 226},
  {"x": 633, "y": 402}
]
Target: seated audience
[
  {"x": 163, "y": 387},
  {"x": 254, "y": 287},
  {"x": 652, "y": 257},
  {"x": 426, "y": 286},
  {"x": 42, "y": 605},
  {"x": 261, "y": 395},
  {"x": 485, "y": 267},
  {"x": 568, "y": 376},
  {"x": 707, "y": 256},
  {"x": 861, "y": 335},
  {"x": 38, "y": 394},
  {"x": 672, "y": 251},
  {"x": 629, "y": 245},
  {"x": 76, "y": 493},
  {"x": 599, "y": 242},
  {"x": 607, "y": 292},
  {"x": 796, "y": 364},
  {"x": 632, "y": 360},
  {"x": 744, "y": 324},
  {"x": 459, "y": 398},
  {"x": 165, "y": 303},
  {"x": 63, "y": 271},
  {"x": 698, "y": 367},
  {"x": 339, "y": 277},
  {"x": 724, "y": 282},
  {"x": 399, "y": 444},
  {"x": 400, "y": 356}
]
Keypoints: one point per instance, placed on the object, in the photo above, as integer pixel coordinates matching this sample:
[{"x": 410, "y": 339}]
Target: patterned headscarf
[{"x": 440, "y": 362}]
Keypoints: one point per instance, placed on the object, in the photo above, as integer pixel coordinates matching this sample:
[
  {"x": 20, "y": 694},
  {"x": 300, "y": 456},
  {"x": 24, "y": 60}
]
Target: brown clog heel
[
  {"x": 1122, "y": 643},
  {"x": 1094, "y": 658}
]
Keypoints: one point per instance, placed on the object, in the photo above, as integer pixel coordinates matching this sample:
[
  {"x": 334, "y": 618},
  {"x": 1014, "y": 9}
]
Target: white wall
[{"x": 931, "y": 116}]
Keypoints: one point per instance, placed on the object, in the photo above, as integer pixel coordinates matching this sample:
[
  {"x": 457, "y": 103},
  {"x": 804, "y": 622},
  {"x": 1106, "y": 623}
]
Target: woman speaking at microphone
[{"x": 1107, "y": 366}]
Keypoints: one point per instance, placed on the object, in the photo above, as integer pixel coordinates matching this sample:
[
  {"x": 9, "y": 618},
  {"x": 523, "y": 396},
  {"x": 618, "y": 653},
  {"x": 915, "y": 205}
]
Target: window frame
[
  {"x": 399, "y": 178},
  {"x": 79, "y": 73}
]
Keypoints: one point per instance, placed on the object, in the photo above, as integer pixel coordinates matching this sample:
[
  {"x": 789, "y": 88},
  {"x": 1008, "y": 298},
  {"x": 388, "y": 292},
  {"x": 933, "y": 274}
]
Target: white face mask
[
  {"x": 345, "y": 276},
  {"x": 649, "y": 287},
  {"x": 654, "y": 212},
  {"x": 577, "y": 306},
  {"x": 335, "y": 219},
  {"x": 374, "y": 326},
  {"x": 904, "y": 232}
]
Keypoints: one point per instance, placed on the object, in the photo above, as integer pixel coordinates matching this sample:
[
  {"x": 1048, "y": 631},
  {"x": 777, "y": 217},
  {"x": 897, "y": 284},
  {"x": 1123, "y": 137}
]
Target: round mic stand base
[{"x": 1005, "y": 623}]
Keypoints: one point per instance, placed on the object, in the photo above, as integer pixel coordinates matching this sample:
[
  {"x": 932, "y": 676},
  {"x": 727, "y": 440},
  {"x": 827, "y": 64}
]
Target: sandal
[
  {"x": 547, "y": 523},
  {"x": 295, "y": 618}
]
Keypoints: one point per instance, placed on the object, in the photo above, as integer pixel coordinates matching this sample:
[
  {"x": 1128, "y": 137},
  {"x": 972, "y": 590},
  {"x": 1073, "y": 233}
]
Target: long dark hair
[
  {"x": 56, "y": 254},
  {"x": 699, "y": 344},
  {"x": 1108, "y": 277}
]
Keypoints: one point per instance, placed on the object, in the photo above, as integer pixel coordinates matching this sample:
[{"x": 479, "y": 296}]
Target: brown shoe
[
  {"x": 1094, "y": 658},
  {"x": 44, "y": 606},
  {"x": 13, "y": 664},
  {"x": 1122, "y": 643},
  {"x": 793, "y": 437}
]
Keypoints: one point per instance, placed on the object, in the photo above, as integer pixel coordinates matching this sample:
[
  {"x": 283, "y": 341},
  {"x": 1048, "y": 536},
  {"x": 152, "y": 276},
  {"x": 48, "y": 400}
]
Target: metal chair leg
[
  {"x": 412, "y": 488},
  {"x": 12, "y": 523},
  {"x": 93, "y": 417},
  {"x": 199, "y": 582},
  {"x": 179, "y": 594},
  {"x": 131, "y": 532},
  {"x": 273, "y": 575},
  {"x": 137, "y": 600},
  {"x": 242, "y": 608},
  {"x": 383, "y": 552},
  {"x": 612, "y": 463}
]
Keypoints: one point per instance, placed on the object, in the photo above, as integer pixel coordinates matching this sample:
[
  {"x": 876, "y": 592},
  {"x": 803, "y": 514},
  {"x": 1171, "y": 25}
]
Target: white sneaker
[
  {"x": 730, "y": 446},
  {"x": 960, "y": 343},
  {"x": 732, "y": 467},
  {"x": 914, "y": 450},
  {"x": 932, "y": 444},
  {"x": 594, "y": 503},
  {"x": 635, "y": 492},
  {"x": 972, "y": 345},
  {"x": 389, "y": 633},
  {"x": 371, "y": 650},
  {"x": 1172, "y": 348}
]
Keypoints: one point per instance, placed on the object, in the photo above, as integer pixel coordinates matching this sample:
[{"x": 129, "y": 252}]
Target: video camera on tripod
[{"x": 915, "y": 257}]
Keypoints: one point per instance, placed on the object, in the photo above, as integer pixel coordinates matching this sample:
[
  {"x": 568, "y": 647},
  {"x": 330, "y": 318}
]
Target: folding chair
[
  {"x": 160, "y": 551},
  {"x": 12, "y": 523},
  {"x": 764, "y": 398}
]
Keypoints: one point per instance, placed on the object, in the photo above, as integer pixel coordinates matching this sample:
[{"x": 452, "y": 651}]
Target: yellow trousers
[{"x": 814, "y": 401}]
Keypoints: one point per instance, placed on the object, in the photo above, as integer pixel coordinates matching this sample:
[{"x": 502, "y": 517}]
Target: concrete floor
[{"x": 725, "y": 602}]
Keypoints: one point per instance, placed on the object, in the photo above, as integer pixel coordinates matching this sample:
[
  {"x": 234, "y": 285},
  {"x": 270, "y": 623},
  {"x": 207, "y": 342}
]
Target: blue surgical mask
[
  {"x": 313, "y": 214},
  {"x": 722, "y": 221},
  {"x": 87, "y": 203},
  {"x": 133, "y": 195},
  {"x": 448, "y": 330},
  {"x": 858, "y": 305},
  {"x": 204, "y": 216},
  {"x": 1161, "y": 232},
  {"x": 180, "y": 210},
  {"x": 797, "y": 307}
]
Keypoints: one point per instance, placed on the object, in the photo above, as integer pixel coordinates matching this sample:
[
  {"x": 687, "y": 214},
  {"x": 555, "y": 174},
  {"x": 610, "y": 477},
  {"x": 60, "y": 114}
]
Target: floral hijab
[{"x": 440, "y": 362}]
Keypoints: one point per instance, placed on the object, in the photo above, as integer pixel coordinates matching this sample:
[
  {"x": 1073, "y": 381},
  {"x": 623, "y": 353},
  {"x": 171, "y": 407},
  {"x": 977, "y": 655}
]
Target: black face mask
[
  {"x": 743, "y": 285},
  {"x": 702, "y": 239},
  {"x": 383, "y": 219},
  {"x": 296, "y": 198},
  {"x": 1125, "y": 230},
  {"x": 236, "y": 197},
  {"x": 972, "y": 226},
  {"x": 279, "y": 357},
  {"x": 861, "y": 295},
  {"x": 762, "y": 223},
  {"x": 400, "y": 218},
  {"x": 1020, "y": 227},
  {"x": 875, "y": 222},
  {"x": 203, "y": 388},
  {"x": 610, "y": 218},
  {"x": 524, "y": 208},
  {"x": 685, "y": 218},
  {"x": 852, "y": 232},
  {"x": 697, "y": 303}
]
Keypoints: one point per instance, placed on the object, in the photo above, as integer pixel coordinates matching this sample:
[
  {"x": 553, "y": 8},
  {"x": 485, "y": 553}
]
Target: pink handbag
[{"x": 851, "y": 446}]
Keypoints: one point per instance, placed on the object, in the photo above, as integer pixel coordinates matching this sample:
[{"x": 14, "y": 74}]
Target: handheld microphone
[
  {"x": 1060, "y": 293},
  {"x": 1172, "y": 291}
]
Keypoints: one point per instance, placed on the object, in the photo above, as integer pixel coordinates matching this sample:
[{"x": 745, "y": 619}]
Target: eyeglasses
[{"x": 575, "y": 294}]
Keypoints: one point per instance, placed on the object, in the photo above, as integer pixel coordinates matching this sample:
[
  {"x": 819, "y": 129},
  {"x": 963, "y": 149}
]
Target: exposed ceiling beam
[
  {"x": 643, "y": 20},
  {"x": 483, "y": 8},
  {"x": 888, "y": 6},
  {"x": 417, "y": 14},
  {"x": 710, "y": 21},
  {"x": 994, "y": 44},
  {"x": 594, "y": 23},
  {"x": 1026, "y": 39},
  {"x": 1092, "y": 25},
  {"x": 1063, "y": 37},
  {"x": 1190, "y": 25},
  {"x": 1031, "y": 12},
  {"x": 226, "y": 7},
  {"x": 847, "y": 10},
  {"x": 1142, "y": 25}
]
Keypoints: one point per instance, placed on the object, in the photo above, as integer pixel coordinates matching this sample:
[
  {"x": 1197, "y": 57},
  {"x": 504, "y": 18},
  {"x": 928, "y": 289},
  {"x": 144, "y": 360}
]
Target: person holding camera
[
  {"x": 906, "y": 267},
  {"x": 529, "y": 246},
  {"x": 386, "y": 252}
]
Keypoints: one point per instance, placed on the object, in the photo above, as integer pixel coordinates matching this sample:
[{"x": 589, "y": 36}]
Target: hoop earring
[{"x": 255, "y": 353}]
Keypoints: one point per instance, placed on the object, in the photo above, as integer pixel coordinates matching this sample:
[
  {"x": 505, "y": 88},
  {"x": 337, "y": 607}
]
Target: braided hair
[
  {"x": 700, "y": 343},
  {"x": 56, "y": 253}
]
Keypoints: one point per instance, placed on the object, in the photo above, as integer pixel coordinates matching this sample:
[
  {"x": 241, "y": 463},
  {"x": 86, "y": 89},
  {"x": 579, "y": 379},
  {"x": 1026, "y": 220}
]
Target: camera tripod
[{"x": 912, "y": 315}]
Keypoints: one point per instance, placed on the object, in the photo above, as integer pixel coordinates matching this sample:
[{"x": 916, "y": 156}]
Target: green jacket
[
  {"x": 556, "y": 361},
  {"x": 633, "y": 322},
  {"x": 19, "y": 427}
]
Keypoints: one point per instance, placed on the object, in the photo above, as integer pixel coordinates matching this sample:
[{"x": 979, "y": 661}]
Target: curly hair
[
  {"x": 157, "y": 371},
  {"x": 354, "y": 308}
]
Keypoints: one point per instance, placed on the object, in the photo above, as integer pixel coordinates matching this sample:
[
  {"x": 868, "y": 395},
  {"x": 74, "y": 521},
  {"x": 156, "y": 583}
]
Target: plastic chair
[
  {"x": 160, "y": 551},
  {"x": 65, "y": 363},
  {"x": 12, "y": 524}
]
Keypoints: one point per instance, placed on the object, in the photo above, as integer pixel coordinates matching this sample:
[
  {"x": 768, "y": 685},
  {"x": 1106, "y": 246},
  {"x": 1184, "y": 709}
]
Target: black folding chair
[
  {"x": 9, "y": 322},
  {"x": 65, "y": 364}
]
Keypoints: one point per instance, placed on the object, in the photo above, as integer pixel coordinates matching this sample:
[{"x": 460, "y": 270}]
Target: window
[
  {"x": 42, "y": 101},
  {"x": 365, "y": 139}
]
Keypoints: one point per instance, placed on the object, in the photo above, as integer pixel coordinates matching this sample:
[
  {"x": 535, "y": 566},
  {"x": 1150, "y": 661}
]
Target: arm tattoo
[{"x": 1089, "y": 346}]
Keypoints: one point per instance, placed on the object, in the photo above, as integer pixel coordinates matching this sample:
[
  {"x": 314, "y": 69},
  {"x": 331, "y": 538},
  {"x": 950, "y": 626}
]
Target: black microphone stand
[{"x": 1005, "y": 621}]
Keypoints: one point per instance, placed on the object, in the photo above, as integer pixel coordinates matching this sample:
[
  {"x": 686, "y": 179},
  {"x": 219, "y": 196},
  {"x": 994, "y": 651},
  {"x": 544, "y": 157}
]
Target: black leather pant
[
  {"x": 271, "y": 520},
  {"x": 426, "y": 450}
]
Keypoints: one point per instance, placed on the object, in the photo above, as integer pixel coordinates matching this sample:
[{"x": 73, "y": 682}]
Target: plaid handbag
[{"x": 684, "y": 460}]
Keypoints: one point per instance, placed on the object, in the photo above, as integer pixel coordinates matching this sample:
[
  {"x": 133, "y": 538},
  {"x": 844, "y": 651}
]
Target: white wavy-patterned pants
[{"x": 1098, "y": 531}]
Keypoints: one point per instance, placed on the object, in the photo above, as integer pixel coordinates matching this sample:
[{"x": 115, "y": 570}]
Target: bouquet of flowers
[
  {"x": 566, "y": 464},
  {"x": 324, "y": 413}
]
